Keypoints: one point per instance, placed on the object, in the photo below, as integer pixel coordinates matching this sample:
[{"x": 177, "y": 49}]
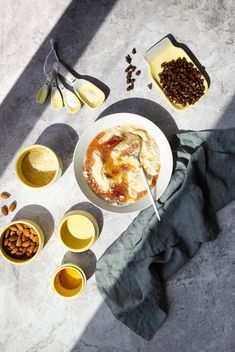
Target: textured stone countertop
[{"x": 94, "y": 37}]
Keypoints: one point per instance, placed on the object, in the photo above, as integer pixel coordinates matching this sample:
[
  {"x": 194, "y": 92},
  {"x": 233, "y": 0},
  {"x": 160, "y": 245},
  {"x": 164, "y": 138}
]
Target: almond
[
  {"x": 25, "y": 244},
  {"x": 19, "y": 253},
  {"x": 33, "y": 231},
  {"x": 12, "y": 206},
  {"x": 35, "y": 239},
  {"x": 11, "y": 245},
  {"x": 31, "y": 248},
  {"x": 23, "y": 237},
  {"x": 20, "y": 227},
  {"x": 4, "y": 210},
  {"x": 26, "y": 232},
  {"x": 5, "y": 195},
  {"x": 6, "y": 242},
  {"x": 18, "y": 242},
  {"x": 15, "y": 250},
  {"x": 35, "y": 249},
  {"x": 13, "y": 228},
  {"x": 19, "y": 232},
  {"x": 7, "y": 233},
  {"x": 13, "y": 238}
]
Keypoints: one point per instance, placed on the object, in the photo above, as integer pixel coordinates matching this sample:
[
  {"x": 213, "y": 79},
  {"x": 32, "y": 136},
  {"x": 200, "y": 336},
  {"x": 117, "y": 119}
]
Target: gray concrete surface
[{"x": 94, "y": 37}]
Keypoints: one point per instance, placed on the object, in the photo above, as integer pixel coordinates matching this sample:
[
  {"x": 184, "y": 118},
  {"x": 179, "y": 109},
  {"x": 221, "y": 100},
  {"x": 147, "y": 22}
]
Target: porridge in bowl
[{"x": 112, "y": 164}]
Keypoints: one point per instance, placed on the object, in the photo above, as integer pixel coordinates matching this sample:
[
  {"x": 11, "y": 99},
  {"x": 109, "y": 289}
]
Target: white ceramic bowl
[{"x": 116, "y": 120}]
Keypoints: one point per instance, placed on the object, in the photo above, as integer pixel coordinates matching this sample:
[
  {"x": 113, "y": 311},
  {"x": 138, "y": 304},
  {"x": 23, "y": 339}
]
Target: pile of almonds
[
  {"x": 5, "y": 209},
  {"x": 20, "y": 241}
]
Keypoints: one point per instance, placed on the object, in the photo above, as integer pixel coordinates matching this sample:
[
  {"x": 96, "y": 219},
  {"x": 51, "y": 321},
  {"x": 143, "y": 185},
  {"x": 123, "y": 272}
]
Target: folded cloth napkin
[{"x": 131, "y": 273}]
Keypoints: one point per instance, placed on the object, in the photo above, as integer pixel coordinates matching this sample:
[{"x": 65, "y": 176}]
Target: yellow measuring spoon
[
  {"x": 56, "y": 97},
  {"x": 89, "y": 93},
  {"x": 43, "y": 92},
  {"x": 71, "y": 101}
]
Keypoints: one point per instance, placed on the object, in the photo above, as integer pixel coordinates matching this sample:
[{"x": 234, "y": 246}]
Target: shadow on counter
[
  {"x": 62, "y": 139},
  {"x": 73, "y": 32},
  {"x": 146, "y": 108},
  {"x": 40, "y": 215}
]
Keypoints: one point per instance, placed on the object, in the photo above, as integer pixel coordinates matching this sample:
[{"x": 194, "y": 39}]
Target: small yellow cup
[
  {"x": 69, "y": 281},
  {"x": 37, "y": 178},
  {"x": 38, "y": 231},
  {"x": 78, "y": 230}
]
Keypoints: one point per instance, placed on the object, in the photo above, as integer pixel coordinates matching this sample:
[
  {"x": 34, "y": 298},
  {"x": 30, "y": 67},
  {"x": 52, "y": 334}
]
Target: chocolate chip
[
  {"x": 129, "y": 88},
  {"x": 128, "y": 59},
  {"x": 138, "y": 73},
  {"x": 181, "y": 82},
  {"x": 133, "y": 68},
  {"x": 134, "y": 51},
  {"x": 150, "y": 85}
]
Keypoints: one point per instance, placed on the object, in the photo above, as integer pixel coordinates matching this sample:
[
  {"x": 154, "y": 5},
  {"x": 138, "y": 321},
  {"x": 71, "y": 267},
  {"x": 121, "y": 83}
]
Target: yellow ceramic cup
[
  {"x": 38, "y": 231},
  {"x": 78, "y": 230},
  {"x": 38, "y": 178},
  {"x": 69, "y": 281}
]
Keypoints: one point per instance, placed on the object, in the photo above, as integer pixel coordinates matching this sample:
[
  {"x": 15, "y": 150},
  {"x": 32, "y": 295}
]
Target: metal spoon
[
  {"x": 71, "y": 101},
  {"x": 56, "y": 96},
  {"x": 43, "y": 92},
  {"x": 89, "y": 93}
]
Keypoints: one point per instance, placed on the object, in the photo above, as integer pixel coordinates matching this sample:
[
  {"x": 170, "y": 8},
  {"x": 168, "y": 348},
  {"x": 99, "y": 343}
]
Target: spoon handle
[
  {"x": 149, "y": 192},
  {"x": 58, "y": 66}
]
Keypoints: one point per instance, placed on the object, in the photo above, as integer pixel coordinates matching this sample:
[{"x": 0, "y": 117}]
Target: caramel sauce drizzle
[{"x": 116, "y": 171}]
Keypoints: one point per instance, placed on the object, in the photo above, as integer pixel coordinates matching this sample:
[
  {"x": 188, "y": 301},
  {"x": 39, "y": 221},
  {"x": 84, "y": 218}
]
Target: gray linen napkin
[{"x": 131, "y": 273}]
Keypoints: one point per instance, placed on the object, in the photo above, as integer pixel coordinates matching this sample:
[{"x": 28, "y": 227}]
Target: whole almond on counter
[
  {"x": 12, "y": 206},
  {"x": 4, "y": 210},
  {"x": 5, "y": 195}
]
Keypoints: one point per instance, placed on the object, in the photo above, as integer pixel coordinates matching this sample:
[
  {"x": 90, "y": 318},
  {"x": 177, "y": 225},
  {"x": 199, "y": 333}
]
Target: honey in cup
[
  {"x": 69, "y": 281},
  {"x": 78, "y": 230}
]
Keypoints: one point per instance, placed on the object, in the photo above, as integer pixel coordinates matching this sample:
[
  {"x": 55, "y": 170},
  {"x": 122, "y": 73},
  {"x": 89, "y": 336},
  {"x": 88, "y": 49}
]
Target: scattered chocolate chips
[
  {"x": 181, "y": 82},
  {"x": 150, "y": 85},
  {"x": 130, "y": 70}
]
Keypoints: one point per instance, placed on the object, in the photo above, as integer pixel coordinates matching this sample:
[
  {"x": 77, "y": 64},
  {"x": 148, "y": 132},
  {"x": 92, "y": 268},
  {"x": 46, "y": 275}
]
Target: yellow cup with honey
[
  {"x": 69, "y": 281},
  {"x": 78, "y": 230},
  {"x": 37, "y": 166}
]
